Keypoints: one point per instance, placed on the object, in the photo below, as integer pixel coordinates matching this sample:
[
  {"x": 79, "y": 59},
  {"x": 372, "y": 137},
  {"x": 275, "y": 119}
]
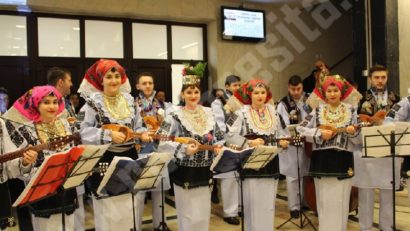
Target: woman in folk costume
[
  {"x": 11, "y": 169},
  {"x": 192, "y": 178},
  {"x": 332, "y": 158},
  {"x": 41, "y": 107},
  {"x": 258, "y": 122},
  {"x": 105, "y": 88}
]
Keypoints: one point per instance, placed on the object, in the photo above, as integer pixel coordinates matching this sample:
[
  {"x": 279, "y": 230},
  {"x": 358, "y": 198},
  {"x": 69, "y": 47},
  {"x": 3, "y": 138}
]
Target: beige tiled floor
[{"x": 282, "y": 214}]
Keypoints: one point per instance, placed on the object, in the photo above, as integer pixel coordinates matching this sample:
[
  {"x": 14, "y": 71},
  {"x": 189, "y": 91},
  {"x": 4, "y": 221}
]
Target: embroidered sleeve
[
  {"x": 355, "y": 138},
  {"x": 399, "y": 112},
  {"x": 14, "y": 134},
  {"x": 219, "y": 115},
  {"x": 139, "y": 124},
  {"x": 90, "y": 133},
  {"x": 236, "y": 131},
  {"x": 219, "y": 135},
  {"x": 283, "y": 113},
  {"x": 308, "y": 129},
  {"x": 171, "y": 127}
]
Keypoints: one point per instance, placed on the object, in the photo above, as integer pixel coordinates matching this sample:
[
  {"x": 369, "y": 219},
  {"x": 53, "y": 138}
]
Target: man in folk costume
[
  {"x": 106, "y": 89},
  {"x": 152, "y": 112},
  {"x": 229, "y": 181},
  {"x": 375, "y": 173},
  {"x": 60, "y": 78},
  {"x": 293, "y": 109}
]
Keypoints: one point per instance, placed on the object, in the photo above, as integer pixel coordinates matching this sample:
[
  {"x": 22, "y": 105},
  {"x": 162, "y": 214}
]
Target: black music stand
[
  {"x": 303, "y": 218},
  {"x": 68, "y": 170},
  {"x": 125, "y": 175},
  {"x": 379, "y": 140},
  {"x": 259, "y": 158}
]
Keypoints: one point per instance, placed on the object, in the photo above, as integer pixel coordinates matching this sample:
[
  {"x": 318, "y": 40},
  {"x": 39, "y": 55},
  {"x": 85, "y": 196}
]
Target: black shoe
[
  {"x": 232, "y": 220},
  {"x": 294, "y": 214}
]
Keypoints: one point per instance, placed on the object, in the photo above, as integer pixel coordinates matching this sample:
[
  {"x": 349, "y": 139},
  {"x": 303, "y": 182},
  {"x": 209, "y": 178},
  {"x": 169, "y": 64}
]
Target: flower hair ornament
[
  {"x": 244, "y": 94},
  {"x": 191, "y": 75},
  {"x": 349, "y": 94}
]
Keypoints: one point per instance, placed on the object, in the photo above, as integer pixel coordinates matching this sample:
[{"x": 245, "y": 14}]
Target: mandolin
[
  {"x": 343, "y": 129},
  {"x": 51, "y": 145},
  {"x": 366, "y": 121}
]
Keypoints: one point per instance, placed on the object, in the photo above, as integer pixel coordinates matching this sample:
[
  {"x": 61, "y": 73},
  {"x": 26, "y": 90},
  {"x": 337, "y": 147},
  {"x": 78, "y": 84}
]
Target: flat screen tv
[{"x": 240, "y": 24}]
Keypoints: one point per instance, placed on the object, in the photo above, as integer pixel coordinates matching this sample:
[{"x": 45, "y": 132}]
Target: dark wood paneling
[
  {"x": 161, "y": 72},
  {"x": 14, "y": 76},
  {"x": 21, "y": 73}
]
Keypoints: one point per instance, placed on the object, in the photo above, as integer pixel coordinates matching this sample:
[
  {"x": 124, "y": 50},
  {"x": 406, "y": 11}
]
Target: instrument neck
[{"x": 20, "y": 153}]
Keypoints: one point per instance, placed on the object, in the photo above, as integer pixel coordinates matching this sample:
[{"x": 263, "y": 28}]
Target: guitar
[
  {"x": 128, "y": 132},
  {"x": 51, "y": 145},
  {"x": 344, "y": 129}
]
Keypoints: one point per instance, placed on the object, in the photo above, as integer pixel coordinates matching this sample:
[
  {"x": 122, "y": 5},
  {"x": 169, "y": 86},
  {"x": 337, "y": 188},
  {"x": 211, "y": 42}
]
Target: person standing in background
[
  {"x": 375, "y": 173},
  {"x": 229, "y": 181},
  {"x": 4, "y": 100},
  {"x": 60, "y": 78},
  {"x": 293, "y": 109}
]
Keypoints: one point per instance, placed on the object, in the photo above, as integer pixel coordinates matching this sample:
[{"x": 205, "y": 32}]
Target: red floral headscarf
[
  {"x": 28, "y": 103},
  {"x": 345, "y": 87},
  {"x": 97, "y": 71},
  {"x": 244, "y": 94}
]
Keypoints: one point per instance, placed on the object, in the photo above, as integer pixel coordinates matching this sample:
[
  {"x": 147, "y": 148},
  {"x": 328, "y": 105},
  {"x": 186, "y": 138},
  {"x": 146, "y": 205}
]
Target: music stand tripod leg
[
  {"x": 302, "y": 216},
  {"x": 163, "y": 225}
]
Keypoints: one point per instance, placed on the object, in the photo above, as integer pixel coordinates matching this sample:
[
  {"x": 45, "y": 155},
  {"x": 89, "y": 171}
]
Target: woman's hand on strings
[
  {"x": 217, "y": 149},
  {"x": 350, "y": 129},
  {"x": 191, "y": 148},
  {"x": 256, "y": 142},
  {"x": 147, "y": 136},
  {"x": 117, "y": 137},
  {"x": 326, "y": 134},
  {"x": 284, "y": 143},
  {"x": 29, "y": 157}
]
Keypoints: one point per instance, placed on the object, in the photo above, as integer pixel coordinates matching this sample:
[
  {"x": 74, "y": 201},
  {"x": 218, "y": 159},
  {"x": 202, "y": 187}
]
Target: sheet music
[
  {"x": 149, "y": 176},
  {"x": 110, "y": 170},
  {"x": 403, "y": 145},
  {"x": 377, "y": 146},
  {"x": 125, "y": 174},
  {"x": 49, "y": 176},
  {"x": 261, "y": 156},
  {"x": 86, "y": 163}
]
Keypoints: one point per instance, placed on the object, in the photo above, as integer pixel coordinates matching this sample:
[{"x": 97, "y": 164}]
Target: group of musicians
[{"x": 327, "y": 118}]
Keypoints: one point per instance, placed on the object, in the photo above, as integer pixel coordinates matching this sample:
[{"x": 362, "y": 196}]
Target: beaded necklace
[
  {"x": 261, "y": 118},
  {"x": 117, "y": 106},
  {"x": 197, "y": 118},
  {"x": 334, "y": 116},
  {"x": 47, "y": 131}
]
